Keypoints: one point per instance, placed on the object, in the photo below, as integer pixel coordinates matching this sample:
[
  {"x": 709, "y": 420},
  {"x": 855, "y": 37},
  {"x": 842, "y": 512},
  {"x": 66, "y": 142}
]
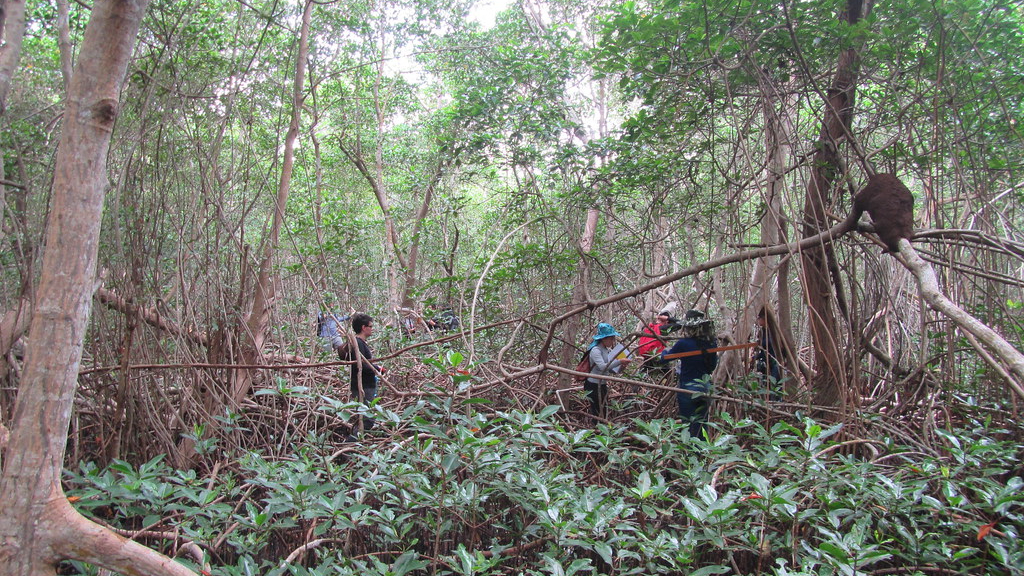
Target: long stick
[{"x": 719, "y": 349}]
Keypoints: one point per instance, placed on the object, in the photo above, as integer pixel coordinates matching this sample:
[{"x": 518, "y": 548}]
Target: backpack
[
  {"x": 346, "y": 346},
  {"x": 710, "y": 358},
  {"x": 583, "y": 366},
  {"x": 447, "y": 320},
  {"x": 344, "y": 350}
]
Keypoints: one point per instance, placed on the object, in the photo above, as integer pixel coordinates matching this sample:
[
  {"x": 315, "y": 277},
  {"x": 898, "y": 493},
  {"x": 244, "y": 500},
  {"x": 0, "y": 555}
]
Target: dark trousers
[
  {"x": 369, "y": 393},
  {"x": 598, "y": 396},
  {"x": 693, "y": 409}
]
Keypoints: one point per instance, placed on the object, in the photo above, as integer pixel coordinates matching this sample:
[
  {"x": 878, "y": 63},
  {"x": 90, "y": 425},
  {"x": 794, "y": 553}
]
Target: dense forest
[{"x": 195, "y": 197}]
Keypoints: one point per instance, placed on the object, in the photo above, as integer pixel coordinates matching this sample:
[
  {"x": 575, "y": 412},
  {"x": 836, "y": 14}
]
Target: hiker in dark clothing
[
  {"x": 695, "y": 371},
  {"x": 363, "y": 382},
  {"x": 446, "y": 321}
]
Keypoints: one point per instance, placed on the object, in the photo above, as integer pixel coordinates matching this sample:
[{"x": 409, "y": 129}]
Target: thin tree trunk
[
  {"x": 580, "y": 295},
  {"x": 404, "y": 261},
  {"x": 14, "y": 322},
  {"x": 67, "y": 61},
  {"x": 12, "y": 31},
  {"x": 391, "y": 239},
  {"x": 13, "y": 15},
  {"x": 38, "y": 527},
  {"x": 978, "y": 332},
  {"x": 773, "y": 270},
  {"x": 257, "y": 325},
  {"x": 409, "y": 279}
]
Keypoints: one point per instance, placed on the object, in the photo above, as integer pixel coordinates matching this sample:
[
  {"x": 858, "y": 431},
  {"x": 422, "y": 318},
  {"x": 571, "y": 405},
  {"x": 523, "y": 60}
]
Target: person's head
[
  {"x": 605, "y": 335},
  {"x": 697, "y": 326},
  {"x": 762, "y": 317},
  {"x": 664, "y": 317},
  {"x": 362, "y": 324}
]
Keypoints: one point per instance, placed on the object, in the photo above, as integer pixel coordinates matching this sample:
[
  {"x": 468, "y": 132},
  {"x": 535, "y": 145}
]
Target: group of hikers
[{"x": 695, "y": 348}]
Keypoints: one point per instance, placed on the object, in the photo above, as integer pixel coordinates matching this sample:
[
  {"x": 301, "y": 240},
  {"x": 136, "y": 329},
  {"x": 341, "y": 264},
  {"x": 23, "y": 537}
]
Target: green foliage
[
  {"x": 464, "y": 492},
  {"x": 509, "y": 90}
]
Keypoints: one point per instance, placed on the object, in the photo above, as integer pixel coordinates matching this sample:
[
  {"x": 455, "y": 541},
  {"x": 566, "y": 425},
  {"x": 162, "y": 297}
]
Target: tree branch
[
  {"x": 78, "y": 537},
  {"x": 928, "y": 285},
  {"x": 148, "y": 315}
]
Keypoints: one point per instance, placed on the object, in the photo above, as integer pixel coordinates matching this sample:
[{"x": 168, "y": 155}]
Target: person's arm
[
  {"x": 598, "y": 364},
  {"x": 675, "y": 349}
]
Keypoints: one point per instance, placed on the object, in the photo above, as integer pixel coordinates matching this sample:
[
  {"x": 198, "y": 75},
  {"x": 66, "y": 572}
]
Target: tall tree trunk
[
  {"x": 64, "y": 41},
  {"x": 14, "y": 322},
  {"x": 771, "y": 270},
  {"x": 411, "y": 262},
  {"x": 391, "y": 239},
  {"x": 832, "y": 379},
  {"x": 404, "y": 260},
  {"x": 38, "y": 527},
  {"x": 580, "y": 295},
  {"x": 257, "y": 325},
  {"x": 12, "y": 30}
]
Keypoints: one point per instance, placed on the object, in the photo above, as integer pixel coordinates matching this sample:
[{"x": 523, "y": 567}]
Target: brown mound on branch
[{"x": 891, "y": 206}]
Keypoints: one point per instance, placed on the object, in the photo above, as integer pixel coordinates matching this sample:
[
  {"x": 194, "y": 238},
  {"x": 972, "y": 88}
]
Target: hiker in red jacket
[{"x": 652, "y": 342}]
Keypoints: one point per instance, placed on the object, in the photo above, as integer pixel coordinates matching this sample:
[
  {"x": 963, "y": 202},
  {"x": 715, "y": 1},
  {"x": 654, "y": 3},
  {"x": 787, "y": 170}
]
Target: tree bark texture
[
  {"x": 569, "y": 354},
  {"x": 777, "y": 106},
  {"x": 13, "y": 30},
  {"x": 38, "y": 527},
  {"x": 64, "y": 41},
  {"x": 411, "y": 262}
]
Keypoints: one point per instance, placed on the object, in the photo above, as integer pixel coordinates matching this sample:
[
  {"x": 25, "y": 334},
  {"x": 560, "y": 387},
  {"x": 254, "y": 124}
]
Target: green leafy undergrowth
[{"x": 446, "y": 489}]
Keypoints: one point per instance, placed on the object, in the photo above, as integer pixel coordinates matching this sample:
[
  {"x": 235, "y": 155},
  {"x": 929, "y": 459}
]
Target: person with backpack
[
  {"x": 329, "y": 328},
  {"x": 650, "y": 343},
  {"x": 695, "y": 370},
  {"x": 446, "y": 321},
  {"x": 605, "y": 358}
]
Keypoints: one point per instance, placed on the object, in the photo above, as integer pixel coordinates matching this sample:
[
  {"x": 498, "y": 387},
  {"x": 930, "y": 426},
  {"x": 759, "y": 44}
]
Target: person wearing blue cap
[{"x": 605, "y": 358}]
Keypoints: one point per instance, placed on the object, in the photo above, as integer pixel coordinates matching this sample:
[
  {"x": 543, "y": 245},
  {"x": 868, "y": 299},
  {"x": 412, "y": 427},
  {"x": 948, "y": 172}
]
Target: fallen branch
[{"x": 307, "y": 547}]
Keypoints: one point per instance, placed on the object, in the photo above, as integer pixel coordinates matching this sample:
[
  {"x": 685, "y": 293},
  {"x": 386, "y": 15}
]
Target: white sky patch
[{"x": 485, "y": 12}]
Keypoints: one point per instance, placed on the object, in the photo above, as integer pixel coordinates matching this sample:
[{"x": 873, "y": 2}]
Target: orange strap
[{"x": 719, "y": 349}]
